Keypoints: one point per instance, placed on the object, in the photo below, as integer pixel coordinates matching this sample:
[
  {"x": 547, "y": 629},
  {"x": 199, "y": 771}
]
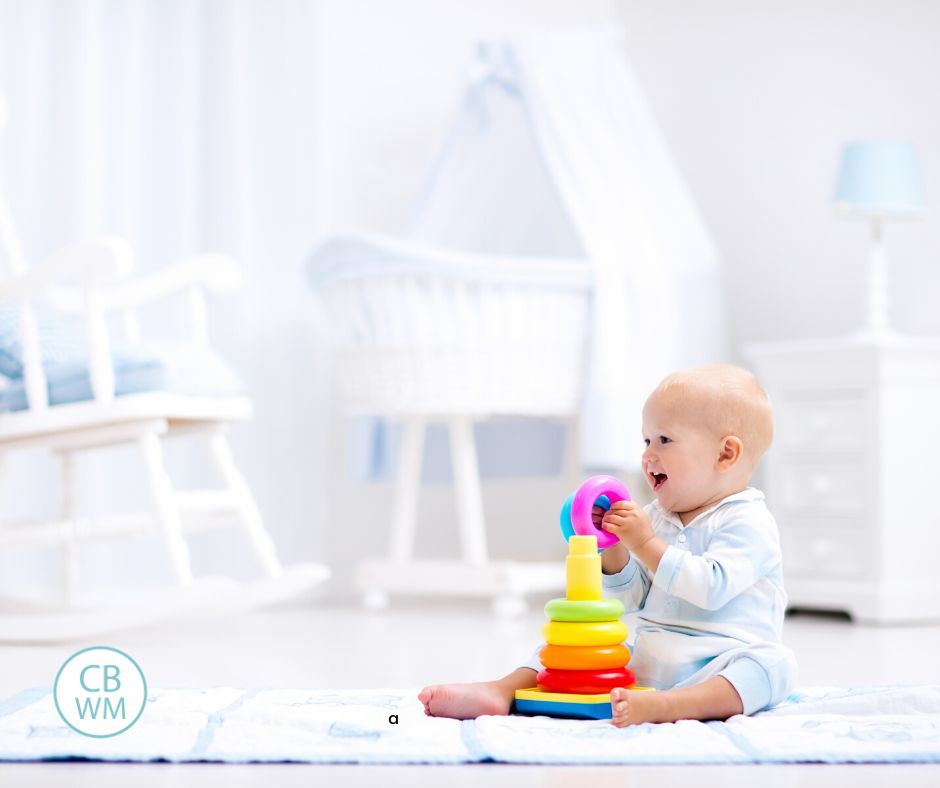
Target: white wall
[
  {"x": 756, "y": 100},
  {"x": 392, "y": 78}
]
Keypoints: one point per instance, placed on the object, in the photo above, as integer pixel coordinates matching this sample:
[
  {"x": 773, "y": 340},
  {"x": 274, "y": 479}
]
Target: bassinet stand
[{"x": 474, "y": 575}]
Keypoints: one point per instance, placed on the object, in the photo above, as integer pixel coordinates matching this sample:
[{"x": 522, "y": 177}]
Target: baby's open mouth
[{"x": 659, "y": 479}]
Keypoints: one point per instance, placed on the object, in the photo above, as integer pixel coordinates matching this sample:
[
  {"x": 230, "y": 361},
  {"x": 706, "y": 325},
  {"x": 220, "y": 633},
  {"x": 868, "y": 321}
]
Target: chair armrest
[
  {"x": 216, "y": 272},
  {"x": 193, "y": 274},
  {"x": 86, "y": 263}
]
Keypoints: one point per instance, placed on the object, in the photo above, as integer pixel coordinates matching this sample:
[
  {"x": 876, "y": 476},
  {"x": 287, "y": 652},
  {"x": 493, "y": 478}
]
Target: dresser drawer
[
  {"x": 822, "y": 548},
  {"x": 822, "y": 485},
  {"x": 828, "y": 420}
]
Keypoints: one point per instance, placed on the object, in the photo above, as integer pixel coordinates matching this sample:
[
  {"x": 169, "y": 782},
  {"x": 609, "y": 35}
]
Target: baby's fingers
[{"x": 623, "y": 506}]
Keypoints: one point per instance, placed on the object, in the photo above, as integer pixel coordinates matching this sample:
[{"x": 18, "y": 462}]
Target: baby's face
[{"x": 680, "y": 458}]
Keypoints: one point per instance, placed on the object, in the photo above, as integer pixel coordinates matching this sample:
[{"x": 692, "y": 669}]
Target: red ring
[{"x": 584, "y": 682}]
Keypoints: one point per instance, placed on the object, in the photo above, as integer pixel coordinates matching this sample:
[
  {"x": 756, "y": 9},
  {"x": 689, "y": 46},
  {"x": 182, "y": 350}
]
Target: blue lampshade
[{"x": 880, "y": 179}]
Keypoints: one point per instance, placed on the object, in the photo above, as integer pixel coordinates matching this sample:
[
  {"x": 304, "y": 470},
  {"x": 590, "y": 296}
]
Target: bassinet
[{"x": 425, "y": 334}]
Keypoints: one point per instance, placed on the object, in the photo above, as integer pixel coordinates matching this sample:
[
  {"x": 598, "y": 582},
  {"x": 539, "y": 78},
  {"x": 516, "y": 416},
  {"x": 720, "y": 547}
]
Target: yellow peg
[{"x": 583, "y": 568}]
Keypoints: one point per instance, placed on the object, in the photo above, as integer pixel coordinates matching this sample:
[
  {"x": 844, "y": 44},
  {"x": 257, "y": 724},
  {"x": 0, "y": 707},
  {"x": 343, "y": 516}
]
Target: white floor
[{"x": 333, "y": 647}]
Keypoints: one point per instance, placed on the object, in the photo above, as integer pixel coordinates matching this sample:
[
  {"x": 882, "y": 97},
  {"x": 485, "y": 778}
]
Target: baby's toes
[
  {"x": 619, "y": 721},
  {"x": 425, "y": 697},
  {"x": 619, "y": 708},
  {"x": 620, "y": 715}
]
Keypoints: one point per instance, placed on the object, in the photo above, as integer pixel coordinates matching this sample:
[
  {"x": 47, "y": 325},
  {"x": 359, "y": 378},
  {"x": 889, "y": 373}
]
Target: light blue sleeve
[
  {"x": 632, "y": 583},
  {"x": 736, "y": 557}
]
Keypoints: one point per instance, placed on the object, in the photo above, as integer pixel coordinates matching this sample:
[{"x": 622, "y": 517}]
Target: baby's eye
[
  {"x": 646, "y": 441},
  {"x": 664, "y": 440}
]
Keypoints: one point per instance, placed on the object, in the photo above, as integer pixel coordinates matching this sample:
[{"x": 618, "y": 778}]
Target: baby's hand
[
  {"x": 597, "y": 515},
  {"x": 628, "y": 522}
]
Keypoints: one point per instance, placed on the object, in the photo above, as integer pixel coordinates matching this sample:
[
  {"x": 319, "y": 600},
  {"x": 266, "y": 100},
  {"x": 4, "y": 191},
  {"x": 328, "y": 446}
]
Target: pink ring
[{"x": 584, "y": 498}]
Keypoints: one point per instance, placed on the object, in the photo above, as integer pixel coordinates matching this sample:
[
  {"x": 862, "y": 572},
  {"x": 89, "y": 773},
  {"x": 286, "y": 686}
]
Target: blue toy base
[{"x": 534, "y": 701}]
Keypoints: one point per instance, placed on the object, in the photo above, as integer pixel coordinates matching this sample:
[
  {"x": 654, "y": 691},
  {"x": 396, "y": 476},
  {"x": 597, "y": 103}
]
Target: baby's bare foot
[
  {"x": 631, "y": 707},
  {"x": 466, "y": 701}
]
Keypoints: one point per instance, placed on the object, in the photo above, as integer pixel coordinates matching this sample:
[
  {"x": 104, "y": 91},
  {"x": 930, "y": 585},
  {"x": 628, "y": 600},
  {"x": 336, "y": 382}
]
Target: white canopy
[{"x": 556, "y": 152}]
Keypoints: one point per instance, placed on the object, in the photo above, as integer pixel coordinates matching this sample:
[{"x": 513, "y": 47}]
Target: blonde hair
[{"x": 726, "y": 399}]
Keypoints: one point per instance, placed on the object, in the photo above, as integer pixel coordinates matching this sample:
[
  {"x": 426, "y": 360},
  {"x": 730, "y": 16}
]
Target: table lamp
[{"x": 878, "y": 181}]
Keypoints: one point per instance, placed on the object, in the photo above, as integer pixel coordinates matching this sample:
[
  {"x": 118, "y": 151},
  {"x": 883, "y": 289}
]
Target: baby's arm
[
  {"x": 736, "y": 557},
  {"x": 623, "y": 576},
  {"x": 615, "y": 557}
]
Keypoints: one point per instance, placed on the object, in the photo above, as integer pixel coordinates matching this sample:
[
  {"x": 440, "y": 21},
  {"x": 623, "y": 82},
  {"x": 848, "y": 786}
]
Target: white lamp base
[{"x": 877, "y": 323}]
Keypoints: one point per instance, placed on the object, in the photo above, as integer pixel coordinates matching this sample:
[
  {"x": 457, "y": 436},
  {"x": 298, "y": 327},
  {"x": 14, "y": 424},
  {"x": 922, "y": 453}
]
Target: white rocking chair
[{"x": 42, "y": 411}]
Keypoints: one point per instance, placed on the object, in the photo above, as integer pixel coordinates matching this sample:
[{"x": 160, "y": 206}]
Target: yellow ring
[{"x": 586, "y": 633}]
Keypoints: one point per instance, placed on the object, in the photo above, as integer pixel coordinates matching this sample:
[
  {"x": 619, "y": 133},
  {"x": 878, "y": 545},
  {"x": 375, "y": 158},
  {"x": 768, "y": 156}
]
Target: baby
[{"x": 701, "y": 565}]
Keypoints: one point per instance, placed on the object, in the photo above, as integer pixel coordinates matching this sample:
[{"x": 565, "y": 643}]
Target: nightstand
[{"x": 853, "y": 477}]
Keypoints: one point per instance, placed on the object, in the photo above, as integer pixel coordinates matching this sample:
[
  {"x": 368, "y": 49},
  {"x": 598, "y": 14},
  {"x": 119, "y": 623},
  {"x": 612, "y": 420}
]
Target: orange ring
[{"x": 584, "y": 657}]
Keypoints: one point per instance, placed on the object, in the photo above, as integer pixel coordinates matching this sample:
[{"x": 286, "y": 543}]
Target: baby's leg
[
  {"x": 713, "y": 699},
  {"x": 468, "y": 701}
]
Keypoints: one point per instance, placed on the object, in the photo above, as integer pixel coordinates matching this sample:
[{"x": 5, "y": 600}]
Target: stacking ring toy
[
  {"x": 585, "y": 682},
  {"x": 584, "y": 609},
  {"x": 567, "y": 530},
  {"x": 584, "y": 657},
  {"x": 588, "y": 633},
  {"x": 592, "y": 489}
]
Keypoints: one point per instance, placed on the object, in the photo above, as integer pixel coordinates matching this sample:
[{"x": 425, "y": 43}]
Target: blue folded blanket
[{"x": 180, "y": 370}]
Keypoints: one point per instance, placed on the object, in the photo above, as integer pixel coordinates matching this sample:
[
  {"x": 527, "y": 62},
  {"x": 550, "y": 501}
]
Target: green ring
[{"x": 584, "y": 609}]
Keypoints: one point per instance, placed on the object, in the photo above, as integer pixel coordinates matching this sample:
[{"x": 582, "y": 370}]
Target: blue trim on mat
[
  {"x": 22, "y": 699},
  {"x": 743, "y": 745},
  {"x": 468, "y": 735},
  {"x": 216, "y": 720}
]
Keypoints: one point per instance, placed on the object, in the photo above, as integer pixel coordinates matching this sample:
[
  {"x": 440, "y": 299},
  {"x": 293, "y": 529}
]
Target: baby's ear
[{"x": 731, "y": 450}]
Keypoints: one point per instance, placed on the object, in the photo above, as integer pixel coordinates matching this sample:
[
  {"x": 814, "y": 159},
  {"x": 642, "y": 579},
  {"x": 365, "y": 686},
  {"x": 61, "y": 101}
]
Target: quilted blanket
[{"x": 827, "y": 725}]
